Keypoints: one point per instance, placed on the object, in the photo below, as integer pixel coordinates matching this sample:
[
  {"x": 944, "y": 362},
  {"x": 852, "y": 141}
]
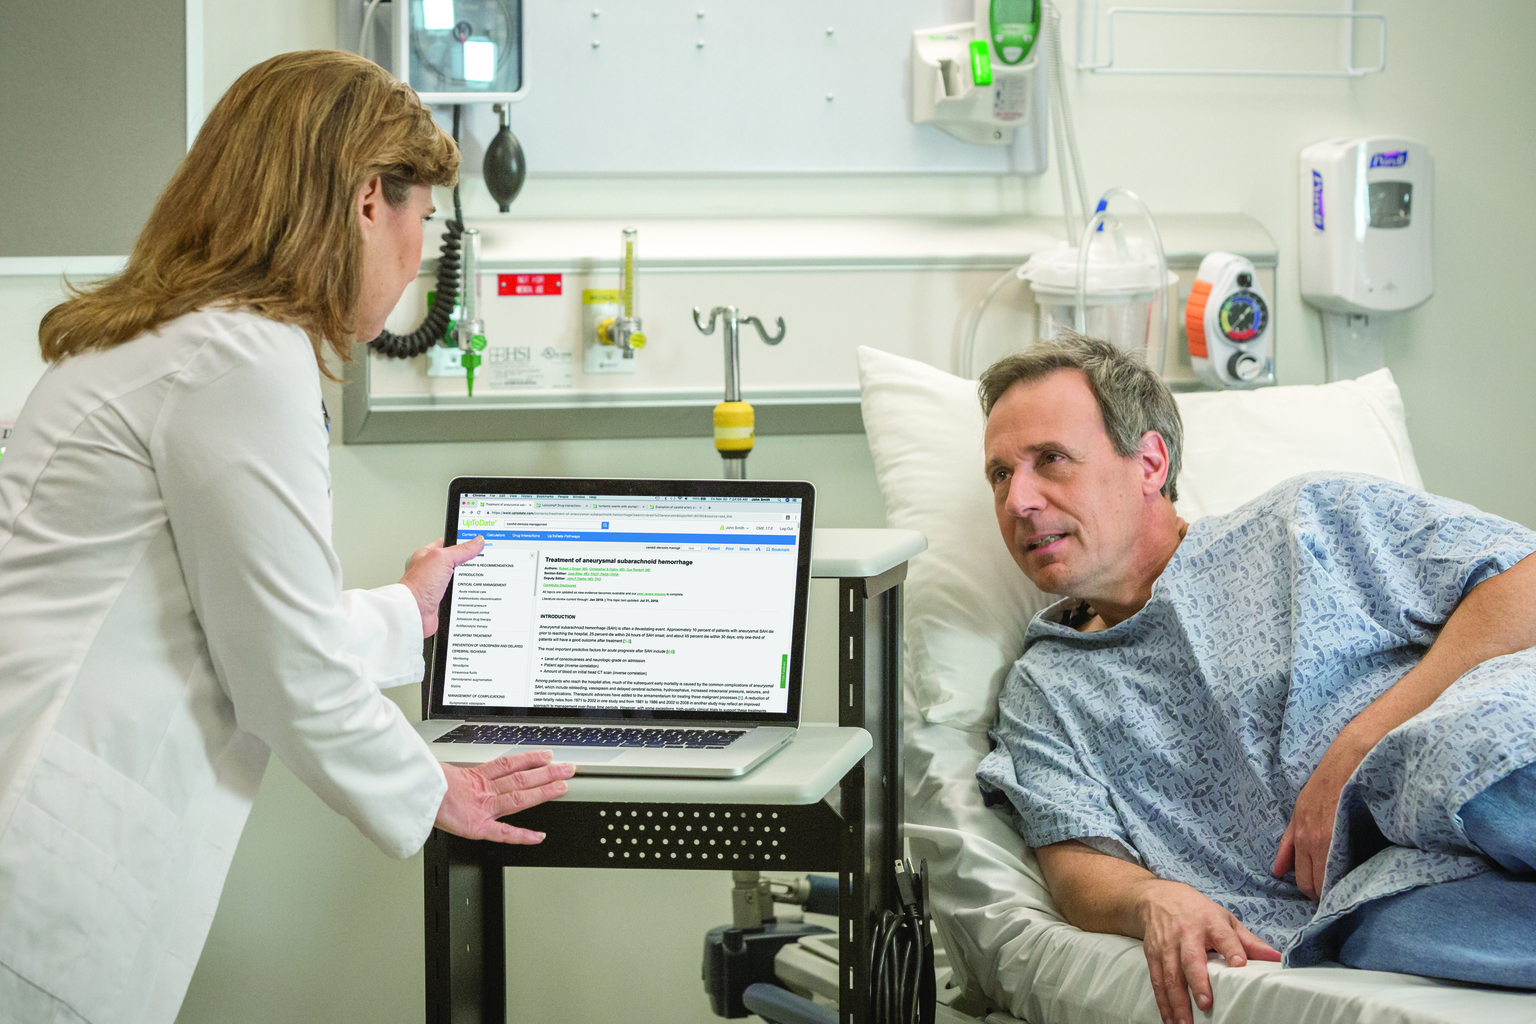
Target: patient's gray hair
[{"x": 1132, "y": 399}]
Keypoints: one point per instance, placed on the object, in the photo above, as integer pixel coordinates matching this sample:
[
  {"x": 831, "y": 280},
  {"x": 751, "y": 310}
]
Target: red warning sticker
[{"x": 529, "y": 284}]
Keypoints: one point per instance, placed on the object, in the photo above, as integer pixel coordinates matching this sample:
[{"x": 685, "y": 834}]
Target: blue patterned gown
[{"x": 1181, "y": 737}]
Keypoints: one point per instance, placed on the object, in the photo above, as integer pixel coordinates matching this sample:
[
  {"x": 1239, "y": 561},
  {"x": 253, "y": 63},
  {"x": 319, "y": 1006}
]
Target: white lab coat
[{"x": 170, "y": 611}]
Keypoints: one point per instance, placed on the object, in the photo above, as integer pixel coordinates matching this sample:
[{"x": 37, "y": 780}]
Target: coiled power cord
[
  {"x": 434, "y": 328},
  {"x": 901, "y": 954}
]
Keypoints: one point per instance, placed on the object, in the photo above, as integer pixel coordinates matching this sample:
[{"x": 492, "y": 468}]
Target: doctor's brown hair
[
  {"x": 262, "y": 212},
  {"x": 1132, "y": 399}
]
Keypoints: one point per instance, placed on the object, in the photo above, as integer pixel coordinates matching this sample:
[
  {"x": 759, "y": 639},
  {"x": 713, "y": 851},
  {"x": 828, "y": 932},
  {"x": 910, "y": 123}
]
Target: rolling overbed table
[{"x": 829, "y": 801}]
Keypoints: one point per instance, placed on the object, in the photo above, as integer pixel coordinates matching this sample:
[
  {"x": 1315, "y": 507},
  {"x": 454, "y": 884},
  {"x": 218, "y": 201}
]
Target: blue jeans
[{"x": 1480, "y": 929}]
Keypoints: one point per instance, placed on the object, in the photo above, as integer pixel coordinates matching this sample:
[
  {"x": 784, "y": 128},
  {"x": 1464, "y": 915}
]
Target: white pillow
[
  {"x": 967, "y": 603},
  {"x": 966, "y": 600},
  {"x": 1239, "y": 444}
]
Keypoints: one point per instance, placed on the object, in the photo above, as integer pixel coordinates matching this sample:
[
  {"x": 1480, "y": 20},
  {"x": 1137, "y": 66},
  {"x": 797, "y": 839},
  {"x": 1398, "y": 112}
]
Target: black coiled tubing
[
  {"x": 435, "y": 326},
  {"x": 449, "y": 263}
]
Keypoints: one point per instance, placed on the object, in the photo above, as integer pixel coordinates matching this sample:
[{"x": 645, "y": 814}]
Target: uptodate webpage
[{"x": 675, "y": 604}]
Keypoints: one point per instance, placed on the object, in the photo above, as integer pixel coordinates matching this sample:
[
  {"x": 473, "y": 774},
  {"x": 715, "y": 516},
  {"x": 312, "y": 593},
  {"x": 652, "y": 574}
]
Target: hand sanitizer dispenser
[{"x": 1365, "y": 241}]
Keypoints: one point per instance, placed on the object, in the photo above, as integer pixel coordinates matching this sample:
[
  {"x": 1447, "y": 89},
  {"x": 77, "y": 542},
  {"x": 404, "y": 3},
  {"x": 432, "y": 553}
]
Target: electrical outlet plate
[
  {"x": 597, "y": 305},
  {"x": 444, "y": 362}
]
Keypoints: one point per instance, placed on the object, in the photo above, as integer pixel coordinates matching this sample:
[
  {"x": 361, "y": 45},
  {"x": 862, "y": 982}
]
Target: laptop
[{"x": 634, "y": 627}]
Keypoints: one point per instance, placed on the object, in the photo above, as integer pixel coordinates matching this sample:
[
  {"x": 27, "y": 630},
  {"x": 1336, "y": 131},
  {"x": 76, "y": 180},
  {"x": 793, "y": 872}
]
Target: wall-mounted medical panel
[
  {"x": 626, "y": 87},
  {"x": 900, "y": 285}
]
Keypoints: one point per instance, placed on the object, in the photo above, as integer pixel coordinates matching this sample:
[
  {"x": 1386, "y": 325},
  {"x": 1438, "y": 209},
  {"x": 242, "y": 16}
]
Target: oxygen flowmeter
[
  {"x": 610, "y": 329},
  {"x": 978, "y": 80},
  {"x": 469, "y": 330},
  {"x": 623, "y": 331}
]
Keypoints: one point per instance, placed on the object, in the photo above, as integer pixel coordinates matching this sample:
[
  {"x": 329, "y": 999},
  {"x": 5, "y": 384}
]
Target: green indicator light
[{"x": 981, "y": 63}]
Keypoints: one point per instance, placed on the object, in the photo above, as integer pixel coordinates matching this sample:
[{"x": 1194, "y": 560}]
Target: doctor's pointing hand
[{"x": 171, "y": 608}]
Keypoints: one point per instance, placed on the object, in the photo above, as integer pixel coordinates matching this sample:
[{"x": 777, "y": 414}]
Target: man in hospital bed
[{"x": 1183, "y": 726}]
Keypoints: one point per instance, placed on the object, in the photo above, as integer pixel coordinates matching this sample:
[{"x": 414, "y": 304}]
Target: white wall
[{"x": 317, "y": 926}]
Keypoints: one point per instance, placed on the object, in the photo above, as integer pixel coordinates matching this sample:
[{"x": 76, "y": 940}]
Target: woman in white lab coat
[{"x": 171, "y": 607}]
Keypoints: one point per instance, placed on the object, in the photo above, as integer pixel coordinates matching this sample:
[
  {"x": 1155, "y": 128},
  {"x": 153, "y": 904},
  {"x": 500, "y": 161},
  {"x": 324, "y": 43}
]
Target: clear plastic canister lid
[{"x": 1052, "y": 273}]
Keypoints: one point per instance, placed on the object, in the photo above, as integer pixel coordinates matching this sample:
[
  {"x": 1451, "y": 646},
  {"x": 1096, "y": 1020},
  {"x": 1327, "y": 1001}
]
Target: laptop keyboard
[{"x": 591, "y": 736}]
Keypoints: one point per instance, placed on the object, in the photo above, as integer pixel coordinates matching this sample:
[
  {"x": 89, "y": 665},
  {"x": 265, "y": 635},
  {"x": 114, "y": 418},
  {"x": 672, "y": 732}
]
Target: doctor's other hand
[
  {"x": 428, "y": 572},
  {"x": 478, "y": 796},
  {"x": 1179, "y": 926}
]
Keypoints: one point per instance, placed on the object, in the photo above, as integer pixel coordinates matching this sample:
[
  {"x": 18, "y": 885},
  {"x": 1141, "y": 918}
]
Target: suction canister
[{"x": 1121, "y": 285}]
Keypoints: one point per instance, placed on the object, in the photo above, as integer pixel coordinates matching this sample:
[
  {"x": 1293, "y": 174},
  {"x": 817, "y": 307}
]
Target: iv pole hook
[
  {"x": 755, "y": 322},
  {"x": 713, "y": 315},
  {"x": 734, "y": 419}
]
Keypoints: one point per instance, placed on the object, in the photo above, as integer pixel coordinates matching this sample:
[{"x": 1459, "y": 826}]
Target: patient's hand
[
  {"x": 1304, "y": 846},
  {"x": 1178, "y": 927}
]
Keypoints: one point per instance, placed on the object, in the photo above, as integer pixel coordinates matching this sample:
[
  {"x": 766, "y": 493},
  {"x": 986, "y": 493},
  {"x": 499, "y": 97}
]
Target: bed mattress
[{"x": 1081, "y": 978}]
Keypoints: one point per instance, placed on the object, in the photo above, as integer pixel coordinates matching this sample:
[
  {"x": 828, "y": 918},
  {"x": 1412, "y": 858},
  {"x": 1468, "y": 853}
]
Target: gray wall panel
[{"x": 92, "y": 121}]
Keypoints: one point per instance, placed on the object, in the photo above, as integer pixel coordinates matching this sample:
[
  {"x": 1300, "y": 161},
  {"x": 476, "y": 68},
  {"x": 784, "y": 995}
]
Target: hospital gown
[{"x": 1181, "y": 737}]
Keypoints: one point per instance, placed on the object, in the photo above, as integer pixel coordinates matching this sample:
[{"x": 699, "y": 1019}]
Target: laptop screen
[{"x": 626, "y": 599}]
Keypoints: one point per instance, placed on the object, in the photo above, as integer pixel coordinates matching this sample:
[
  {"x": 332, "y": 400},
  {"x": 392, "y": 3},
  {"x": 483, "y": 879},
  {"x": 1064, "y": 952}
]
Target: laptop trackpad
[{"x": 583, "y": 755}]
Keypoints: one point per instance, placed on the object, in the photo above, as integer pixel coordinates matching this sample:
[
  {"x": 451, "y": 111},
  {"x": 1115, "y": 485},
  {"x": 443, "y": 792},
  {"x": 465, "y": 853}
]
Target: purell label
[
  {"x": 1317, "y": 200},
  {"x": 1396, "y": 158}
]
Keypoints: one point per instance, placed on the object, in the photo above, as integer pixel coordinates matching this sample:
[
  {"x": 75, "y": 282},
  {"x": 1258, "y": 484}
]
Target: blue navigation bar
[{"x": 611, "y": 537}]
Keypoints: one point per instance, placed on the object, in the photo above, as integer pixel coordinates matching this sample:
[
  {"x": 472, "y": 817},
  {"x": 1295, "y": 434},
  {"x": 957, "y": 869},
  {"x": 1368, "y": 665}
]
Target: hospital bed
[{"x": 967, "y": 604}]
